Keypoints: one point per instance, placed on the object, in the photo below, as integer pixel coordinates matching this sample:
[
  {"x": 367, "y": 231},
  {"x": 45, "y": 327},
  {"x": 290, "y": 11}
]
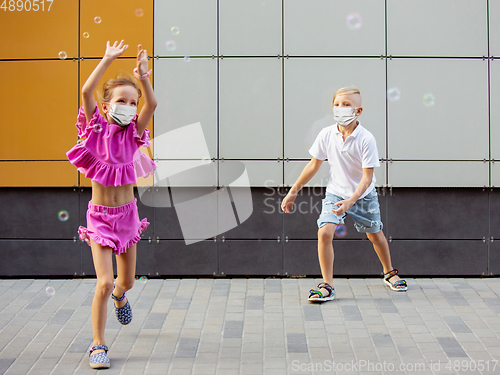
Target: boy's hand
[
  {"x": 142, "y": 60},
  {"x": 116, "y": 50},
  {"x": 287, "y": 203},
  {"x": 343, "y": 206}
]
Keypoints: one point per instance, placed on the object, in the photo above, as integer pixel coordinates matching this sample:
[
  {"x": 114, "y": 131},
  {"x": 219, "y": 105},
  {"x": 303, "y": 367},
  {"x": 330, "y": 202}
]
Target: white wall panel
[
  {"x": 438, "y": 174},
  {"x": 250, "y": 108},
  {"x": 293, "y": 169},
  {"x": 334, "y": 28},
  {"x": 495, "y": 174},
  {"x": 495, "y": 109},
  {"x": 195, "y": 28},
  {"x": 309, "y": 88},
  {"x": 440, "y": 110},
  {"x": 260, "y": 173},
  {"x": 437, "y": 28},
  {"x": 186, "y": 94},
  {"x": 185, "y": 173},
  {"x": 494, "y": 13},
  {"x": 250, "y": 28}
]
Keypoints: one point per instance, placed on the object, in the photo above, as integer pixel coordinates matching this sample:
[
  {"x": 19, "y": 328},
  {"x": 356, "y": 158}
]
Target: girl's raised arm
[
  {"x": 88, "y": 100},
  {"x": 150, "y": 102}
]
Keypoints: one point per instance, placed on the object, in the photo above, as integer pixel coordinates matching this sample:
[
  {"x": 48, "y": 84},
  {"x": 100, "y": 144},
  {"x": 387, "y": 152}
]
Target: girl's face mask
[
  {"x": 122, "y": 114},
  {"x": 344, "y": 115}
]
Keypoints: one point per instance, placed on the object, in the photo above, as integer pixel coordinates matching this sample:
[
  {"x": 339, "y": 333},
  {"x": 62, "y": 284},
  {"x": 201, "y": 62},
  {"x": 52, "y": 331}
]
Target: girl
[{"x": 108, "y": 153}]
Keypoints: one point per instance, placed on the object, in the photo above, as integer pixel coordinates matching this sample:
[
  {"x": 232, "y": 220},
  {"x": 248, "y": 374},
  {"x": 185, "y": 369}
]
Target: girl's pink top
[{"x": 109, "y": 154}]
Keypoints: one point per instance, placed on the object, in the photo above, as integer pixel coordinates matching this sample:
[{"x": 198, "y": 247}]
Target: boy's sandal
[
  {"x": 124, "y": 313},
  {"x": 320, "y": 297},
  {"x": 398, "y": 286},
  {"x": 99, "y": 360}
]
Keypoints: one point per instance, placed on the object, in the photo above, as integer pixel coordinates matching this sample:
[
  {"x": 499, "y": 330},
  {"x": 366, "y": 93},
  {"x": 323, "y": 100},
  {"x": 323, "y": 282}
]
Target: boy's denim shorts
[{"x": 365, "y": 213}]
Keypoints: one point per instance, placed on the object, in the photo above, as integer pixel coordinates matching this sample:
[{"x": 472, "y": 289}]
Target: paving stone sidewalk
[{"x": 256, "y": 326}]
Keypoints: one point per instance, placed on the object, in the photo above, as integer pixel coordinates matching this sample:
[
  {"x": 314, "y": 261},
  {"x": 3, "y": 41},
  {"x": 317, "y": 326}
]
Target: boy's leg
[
  {"x": 382, "y": 249},
  {"x": 103, "y": 265},
  {"x": 125, "y": 267},
  {"x": 325, "y": 254}
]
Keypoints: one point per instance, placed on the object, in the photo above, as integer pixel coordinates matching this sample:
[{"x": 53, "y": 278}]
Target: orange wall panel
[
  {"x": 29, "y": 34},
  {"x": 38, "y": 173},
  {"x": 41, "y": 102},
  {"x": 129, "y": 20}
]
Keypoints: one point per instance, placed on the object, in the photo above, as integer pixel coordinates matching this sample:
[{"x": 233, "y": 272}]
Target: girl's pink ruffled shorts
[{"x": 115, "y": 227}]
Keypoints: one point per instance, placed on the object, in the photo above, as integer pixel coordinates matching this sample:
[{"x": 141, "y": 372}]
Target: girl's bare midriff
[{"x": 112, "y": 196}]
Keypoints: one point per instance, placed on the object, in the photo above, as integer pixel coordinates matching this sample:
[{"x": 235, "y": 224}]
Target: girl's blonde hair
[
  {"x": 346, "y": 91},
  {"x": 106, "y": 93}
]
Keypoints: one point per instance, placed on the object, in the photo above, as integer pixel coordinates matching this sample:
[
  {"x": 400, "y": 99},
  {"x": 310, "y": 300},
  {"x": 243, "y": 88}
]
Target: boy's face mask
[
  {"x": 122, "y": 114},
  {"x": 344, "y": 115}
]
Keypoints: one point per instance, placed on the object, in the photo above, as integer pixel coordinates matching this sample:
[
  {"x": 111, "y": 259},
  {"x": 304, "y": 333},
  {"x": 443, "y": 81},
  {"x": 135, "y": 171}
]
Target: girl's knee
[
  {"x": 125, "y": 283},
  {"x": 104, "y": 286}
]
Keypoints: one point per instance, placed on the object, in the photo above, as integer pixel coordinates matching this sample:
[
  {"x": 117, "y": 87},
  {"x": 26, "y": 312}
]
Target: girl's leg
[
  {"x": 325, "y": 253},
  {"x": 125, "y": 267},
  {"x": 103, "y": 265},
  {"x": 382, "y": 249}
]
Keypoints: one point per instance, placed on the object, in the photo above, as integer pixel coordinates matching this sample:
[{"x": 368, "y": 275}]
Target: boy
[{"x": 352, "y": 153}]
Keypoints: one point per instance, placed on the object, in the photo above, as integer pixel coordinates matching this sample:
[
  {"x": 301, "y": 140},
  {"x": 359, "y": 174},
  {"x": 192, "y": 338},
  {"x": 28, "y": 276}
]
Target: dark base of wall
[{"x": 432, "y": 232}]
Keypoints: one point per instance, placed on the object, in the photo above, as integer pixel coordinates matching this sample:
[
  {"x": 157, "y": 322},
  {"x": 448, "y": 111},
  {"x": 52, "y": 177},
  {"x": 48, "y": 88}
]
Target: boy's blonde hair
[{"x": 346, "y": 91}]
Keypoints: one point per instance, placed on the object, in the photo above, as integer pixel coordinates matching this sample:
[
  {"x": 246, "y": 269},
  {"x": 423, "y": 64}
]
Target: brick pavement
[{"x": 256, "y": 326}]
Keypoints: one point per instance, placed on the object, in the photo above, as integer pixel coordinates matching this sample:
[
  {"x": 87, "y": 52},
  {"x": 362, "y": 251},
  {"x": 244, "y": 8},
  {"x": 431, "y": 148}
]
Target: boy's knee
[
  {"x": 377, "y": 238},
  {"x": 325, "y": 233}
]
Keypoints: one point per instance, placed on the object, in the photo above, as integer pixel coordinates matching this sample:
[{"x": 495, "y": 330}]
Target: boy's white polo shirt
[{"x": 347, "y": 159}]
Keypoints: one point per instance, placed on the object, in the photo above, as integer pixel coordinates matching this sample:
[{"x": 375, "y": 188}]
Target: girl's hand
[
  {"x": 116, "y": 50},
  {"x": 142, "y": 60}
]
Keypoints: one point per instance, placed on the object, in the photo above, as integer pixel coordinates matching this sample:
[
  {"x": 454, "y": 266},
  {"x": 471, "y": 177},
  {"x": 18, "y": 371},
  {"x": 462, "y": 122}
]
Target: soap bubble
[
  {"x": 97, "y": 19},
  {"x": 170, "y": 45},
  {"x": 341, "y": 230},
  {"x": 139, "y": 12},
  {"x": 50, "y": 291},
  {"x": 86, "y": 35},
  {"x": 175, "y": 30},
  {"x": 143, "y": 279},
  {"x": 353, "y": 21},
  {"x": 428, "y": 100},
  {"x": 63, "y": 215},
  {"x": 187, "y": 58},
  {"x": 97, "y": 128},
  {"x": 393, "y": 94},
  {"x": 63, "y": 55}
]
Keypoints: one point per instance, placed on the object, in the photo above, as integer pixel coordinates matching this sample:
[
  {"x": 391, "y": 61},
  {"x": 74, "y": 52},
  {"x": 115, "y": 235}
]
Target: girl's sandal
[
  {"x": 398, "y": 286},
  {"x": 321, "y": 297},
  {"x": 124, "y": 313},
  {"x": 99, "y": 360}
]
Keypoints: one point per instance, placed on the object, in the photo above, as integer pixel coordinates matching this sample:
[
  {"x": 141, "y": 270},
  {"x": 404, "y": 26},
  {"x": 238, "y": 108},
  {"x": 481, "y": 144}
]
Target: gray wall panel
[
  {"x": 34, "y": 213},
  {"x": 250, "y": 258},
  {"x": 266, "y": 220},
  {"x": 40, "y": 258},
  {"x": 494, "y": 259},
  {"x": 437, "y": 214},
  {"x": 176, "y": 258},
  {"x": 450, "y": 257}
]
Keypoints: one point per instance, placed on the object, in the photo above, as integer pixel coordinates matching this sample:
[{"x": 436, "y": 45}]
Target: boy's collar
[{"x": 354, "y": 132}]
